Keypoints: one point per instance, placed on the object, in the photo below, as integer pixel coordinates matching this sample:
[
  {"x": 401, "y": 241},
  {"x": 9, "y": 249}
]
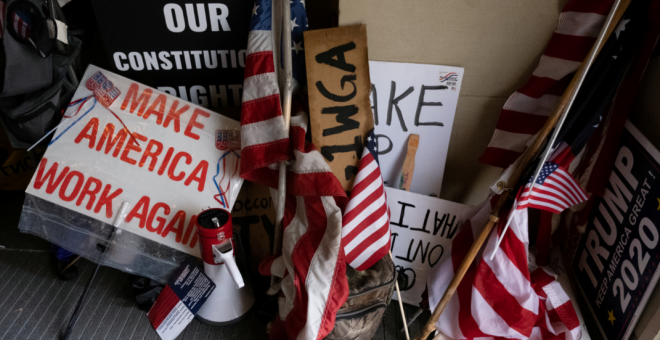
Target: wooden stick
[
  {"x": 409, "y": 162},
  {"x": 71, "y": 263},
  {"x": 526, "y": 159},
  {"x": 403, "y": 314}
]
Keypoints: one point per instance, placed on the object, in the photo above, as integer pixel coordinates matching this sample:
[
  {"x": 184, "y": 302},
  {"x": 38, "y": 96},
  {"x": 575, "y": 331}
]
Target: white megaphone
[{"x": 232, "y": 297}]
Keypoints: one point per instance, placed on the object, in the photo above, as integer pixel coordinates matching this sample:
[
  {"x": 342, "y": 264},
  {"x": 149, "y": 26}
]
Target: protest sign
[
  {"x": 422, "y": 230},
  {"x": 616, "y": 263},
  {"x": 340, "y": 114},
  {"x": 123, "y": 141},
  {"x": 195, "y": 51},
  {"x": 414, "y": 99},
  {"x": 254, "y": 211}
]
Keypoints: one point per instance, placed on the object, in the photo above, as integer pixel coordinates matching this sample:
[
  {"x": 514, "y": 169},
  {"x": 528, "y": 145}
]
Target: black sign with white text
[
  {"x": 195, "y": 51},
  {"x": 616, "y": 262}
]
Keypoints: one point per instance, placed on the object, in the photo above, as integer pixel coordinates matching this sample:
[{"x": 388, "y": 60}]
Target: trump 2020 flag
[
  {"x": 312, "y": 264},
  {"x": 366, "y": 224}
]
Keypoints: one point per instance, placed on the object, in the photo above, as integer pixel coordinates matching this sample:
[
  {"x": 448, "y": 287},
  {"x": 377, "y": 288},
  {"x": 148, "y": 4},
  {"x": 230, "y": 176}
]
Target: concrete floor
[{"x": 36, "y": 304}]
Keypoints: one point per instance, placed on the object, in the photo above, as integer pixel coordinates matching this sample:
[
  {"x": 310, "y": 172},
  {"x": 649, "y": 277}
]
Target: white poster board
[
  {"x": 181, "y": 159},
  {"x": 420, "y": 99},
  {"x": 422, "y": 229}
]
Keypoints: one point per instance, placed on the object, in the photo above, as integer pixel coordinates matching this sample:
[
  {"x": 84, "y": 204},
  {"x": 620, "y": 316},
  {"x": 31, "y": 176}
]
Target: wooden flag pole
[{"x": 528, "y": 156}]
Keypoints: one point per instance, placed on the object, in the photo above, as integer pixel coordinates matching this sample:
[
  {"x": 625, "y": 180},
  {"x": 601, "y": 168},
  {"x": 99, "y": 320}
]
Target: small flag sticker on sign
[
  {"x": 228, "y": 139},
  {"x": 104, "y": 90}
]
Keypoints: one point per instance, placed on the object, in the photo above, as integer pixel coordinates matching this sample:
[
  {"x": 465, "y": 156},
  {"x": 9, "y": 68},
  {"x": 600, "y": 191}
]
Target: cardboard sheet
[
  {"x": 422, "y": 228},
  {"x": 254, "y": 210},
  {"x": 338, "y": 83}
]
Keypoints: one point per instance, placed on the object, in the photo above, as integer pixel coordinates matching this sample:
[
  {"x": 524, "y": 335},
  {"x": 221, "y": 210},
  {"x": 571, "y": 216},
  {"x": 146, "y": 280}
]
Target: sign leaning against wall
[{"x": 195, "y": 51}]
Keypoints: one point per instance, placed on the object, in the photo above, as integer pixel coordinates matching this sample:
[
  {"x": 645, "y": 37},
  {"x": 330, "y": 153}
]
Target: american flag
[
  {"x": 20, "y": 25},
  {"x": 555, "y": 190},
  {"x": 527, "y": 109},
  {"x": 312, "y": 265},
  {"x": 592, "y": 104},
  {"x": 501, "y": 297},
  {"x": 366, "y": 224}
]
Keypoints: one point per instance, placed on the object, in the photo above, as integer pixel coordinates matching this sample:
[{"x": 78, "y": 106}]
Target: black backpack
[{"x": 36, "y": 69}]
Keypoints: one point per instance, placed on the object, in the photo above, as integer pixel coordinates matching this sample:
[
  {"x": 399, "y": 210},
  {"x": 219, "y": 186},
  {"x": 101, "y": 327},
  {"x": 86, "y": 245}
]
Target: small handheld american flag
[
  {"x": 366, "y": 224},
  {"x": 555, "y": 190}
]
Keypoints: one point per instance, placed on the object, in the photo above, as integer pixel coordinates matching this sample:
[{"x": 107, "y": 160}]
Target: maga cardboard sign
[
  {"x": 340, "y": 113},
  {"x": 123, "y": 141},
  {"x": 414, "y": 99},
  {"x": 254, "y": 210},
  {"x": 422, "y": 229}
]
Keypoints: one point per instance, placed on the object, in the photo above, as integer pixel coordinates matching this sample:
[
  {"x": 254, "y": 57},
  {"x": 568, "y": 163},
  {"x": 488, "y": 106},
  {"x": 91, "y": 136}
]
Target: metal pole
[
  {"x": 581, "y": 76},
  {"x": 398, "y": 294},
  {"x": 286, "y": 115},
  {"x": 74, "y": 318}
]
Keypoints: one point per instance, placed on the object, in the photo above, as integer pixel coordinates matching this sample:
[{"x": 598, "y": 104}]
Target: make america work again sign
[{"x": 121, "y": 141}]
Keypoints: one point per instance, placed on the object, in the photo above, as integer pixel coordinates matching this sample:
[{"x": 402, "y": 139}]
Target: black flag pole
[{"x": 74, "y": 318}]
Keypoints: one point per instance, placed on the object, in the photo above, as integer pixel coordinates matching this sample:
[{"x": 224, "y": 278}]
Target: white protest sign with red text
[{"x": 123, "y": 141}]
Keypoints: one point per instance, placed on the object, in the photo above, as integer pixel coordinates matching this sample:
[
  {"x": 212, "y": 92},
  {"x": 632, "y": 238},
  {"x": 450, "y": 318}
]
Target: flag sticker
[
  {"x": 450, "y": 78},
  {"x": 228, "y": 140},
  {"x": 104, "y": 90}
]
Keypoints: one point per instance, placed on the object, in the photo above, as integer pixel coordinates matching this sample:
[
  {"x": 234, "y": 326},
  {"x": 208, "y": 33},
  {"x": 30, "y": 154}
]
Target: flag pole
[
  {"x": 286, "y": 115},
  {"x": 398, "y": 294},
  {"x": 528, "y": 156}
]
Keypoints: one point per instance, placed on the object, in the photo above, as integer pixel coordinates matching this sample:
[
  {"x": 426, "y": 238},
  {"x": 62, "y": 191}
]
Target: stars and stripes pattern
[
  {"x": 312, "y": 265},
  {"x": 21, "y": 27},
  {"x": 366, "y": 223},
  {"x": 555, "y": 190},
  {"x": 502, "y": 297},
  {"x": 591, "y": 108},
  {"x": 527, "y": 109}
]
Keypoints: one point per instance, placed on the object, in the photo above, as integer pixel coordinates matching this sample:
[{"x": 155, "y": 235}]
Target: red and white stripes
[
  {"x": 527, "y": 109},
  {"x": 262, "y": 125},
  {"x": 366, "y": 224},
  {"x": 557, "y": 192},
  {"x": 499, "y": 298}
]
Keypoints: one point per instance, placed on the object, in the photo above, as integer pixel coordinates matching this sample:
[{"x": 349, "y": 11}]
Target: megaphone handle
[{"x": 230, "y": 262}]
